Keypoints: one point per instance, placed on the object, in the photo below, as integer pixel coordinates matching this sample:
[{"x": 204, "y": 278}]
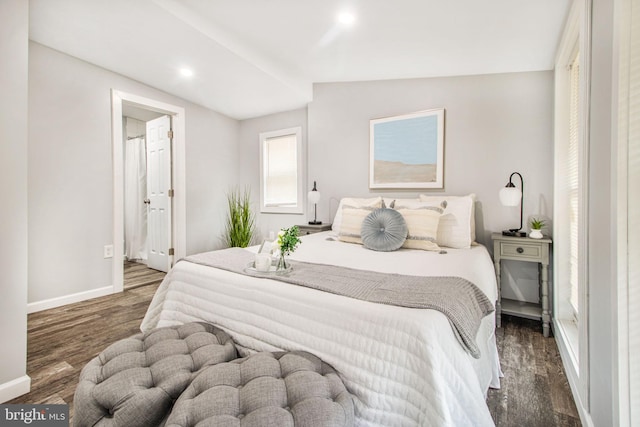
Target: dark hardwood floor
[
  {"x": 534, "y": 391},
  {"x": 62, "y": 340},
  {"x": 137, "y": 274}
]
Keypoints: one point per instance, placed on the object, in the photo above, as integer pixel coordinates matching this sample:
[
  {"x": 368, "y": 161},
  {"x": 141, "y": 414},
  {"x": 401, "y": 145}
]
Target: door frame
[{"x": 178, "y": 181}]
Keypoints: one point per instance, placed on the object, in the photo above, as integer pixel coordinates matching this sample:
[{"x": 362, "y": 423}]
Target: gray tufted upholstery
[
  {"x": 266, "y": 390},
  {"x": 135, "y": 381},
  {"x": 384, "y": 230}
]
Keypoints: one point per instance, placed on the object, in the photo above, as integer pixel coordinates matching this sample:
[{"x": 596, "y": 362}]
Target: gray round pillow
[{"x": 383, "y": 230}]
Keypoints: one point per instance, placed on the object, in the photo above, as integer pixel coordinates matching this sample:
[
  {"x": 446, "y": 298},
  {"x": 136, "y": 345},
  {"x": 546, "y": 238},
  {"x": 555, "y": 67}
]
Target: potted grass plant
[
  {"x": 536, "y": 228},
  {"x": 240, "y": 224}
]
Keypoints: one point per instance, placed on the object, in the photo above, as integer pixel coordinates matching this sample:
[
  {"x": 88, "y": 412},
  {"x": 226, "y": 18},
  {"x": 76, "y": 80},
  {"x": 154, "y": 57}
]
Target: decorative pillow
[
  {"x": 422, "y": 224},
  {"x": 351, "y": 227},
  {"x": 384, "y": 230},
  {"x": 370, "y": 203},
  {"x": 391, "y": 203},
  {"x": 457, "y": 225}
]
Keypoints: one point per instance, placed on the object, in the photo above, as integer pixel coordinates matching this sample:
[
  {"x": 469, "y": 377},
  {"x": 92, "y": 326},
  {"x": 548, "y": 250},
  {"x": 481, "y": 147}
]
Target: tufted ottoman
[
  {"x": 135, "y": 381},
  {"x": 267, "y": 390}
]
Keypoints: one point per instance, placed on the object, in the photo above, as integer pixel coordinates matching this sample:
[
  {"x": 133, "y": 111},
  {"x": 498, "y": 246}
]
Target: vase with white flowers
[{"x": 287, "y": 242}]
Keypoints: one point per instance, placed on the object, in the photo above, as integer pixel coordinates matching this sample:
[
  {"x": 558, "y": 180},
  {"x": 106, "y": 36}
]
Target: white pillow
[
  {"x": 422, "y": 220},
  {"x": 351, "y": 227},
  {"x": 372, "y": 203},
  {"x": 457, "y": 228},
  {"x": 391, "y": 202}
]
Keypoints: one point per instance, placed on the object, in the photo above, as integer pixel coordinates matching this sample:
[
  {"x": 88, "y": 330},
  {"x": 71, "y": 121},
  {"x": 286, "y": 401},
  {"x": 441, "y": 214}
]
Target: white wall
[
  {"x": 14, "y": 36},
  {"x": 212, "y": 167},
  {"x": 494, "y": 125},
  {"x": 70, "y": 172},
  {"x": 134, "y": 127},
  {"x": 250, "y": 165},
  {"x": 602, "y": 227}
]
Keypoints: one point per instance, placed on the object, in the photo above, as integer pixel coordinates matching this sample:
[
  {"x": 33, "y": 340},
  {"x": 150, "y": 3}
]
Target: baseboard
[
  {"x": 14, "y": 388},
  {"x": 572, "y": 375},
  {"x": 33, "y": 307}
]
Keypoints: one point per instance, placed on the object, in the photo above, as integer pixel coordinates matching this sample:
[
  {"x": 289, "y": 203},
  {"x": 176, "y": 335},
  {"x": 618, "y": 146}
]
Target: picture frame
[{"x": 407, "y": 151}]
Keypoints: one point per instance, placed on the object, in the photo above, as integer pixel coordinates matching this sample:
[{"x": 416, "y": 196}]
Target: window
[
  {"x": 571, "y": 194},
  {"x": 572, "y": 178},
  {"x": 570, "y": 188},
  {"x": 281, "y": 171}
]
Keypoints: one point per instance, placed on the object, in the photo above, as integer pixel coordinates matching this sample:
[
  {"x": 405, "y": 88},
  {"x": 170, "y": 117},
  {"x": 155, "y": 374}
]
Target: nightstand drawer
[{"x": 519, "y": 250}]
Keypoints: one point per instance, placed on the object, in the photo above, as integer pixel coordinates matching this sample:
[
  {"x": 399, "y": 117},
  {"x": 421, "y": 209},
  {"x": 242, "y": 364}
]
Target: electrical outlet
[
  {"x": 272, "y": 235},
  {"x": 108, "y": 251}
]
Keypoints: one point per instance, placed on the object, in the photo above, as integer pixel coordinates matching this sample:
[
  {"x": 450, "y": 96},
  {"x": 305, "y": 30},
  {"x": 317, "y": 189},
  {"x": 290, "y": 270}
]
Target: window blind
[
  {"x": 281, "y": 176},
  {"x": 633, "y": 214},
  {"x": 573, "y": 182}
]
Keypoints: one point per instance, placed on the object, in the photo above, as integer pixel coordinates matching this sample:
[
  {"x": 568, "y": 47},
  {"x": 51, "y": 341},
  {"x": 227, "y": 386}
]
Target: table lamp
[
  {"x": 314, "y": 197},
  {"x": 511, "y": 195}
]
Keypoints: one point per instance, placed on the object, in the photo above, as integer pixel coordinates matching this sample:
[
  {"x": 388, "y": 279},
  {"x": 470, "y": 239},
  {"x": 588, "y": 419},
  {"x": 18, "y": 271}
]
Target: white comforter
[{"x": 404, "y": 366}]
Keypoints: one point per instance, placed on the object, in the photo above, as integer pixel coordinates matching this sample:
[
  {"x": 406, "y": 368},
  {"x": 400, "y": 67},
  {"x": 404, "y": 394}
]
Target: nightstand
[
  {"x": 529, "y": 250},
  {"x": 313, "y": 228}
]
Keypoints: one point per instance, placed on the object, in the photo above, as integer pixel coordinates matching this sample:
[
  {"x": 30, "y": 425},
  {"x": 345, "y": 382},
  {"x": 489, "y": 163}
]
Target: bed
[{"x": 404, "y": 366}]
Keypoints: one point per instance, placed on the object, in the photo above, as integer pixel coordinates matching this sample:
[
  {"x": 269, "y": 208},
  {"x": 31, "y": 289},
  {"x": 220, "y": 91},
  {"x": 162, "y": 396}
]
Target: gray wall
[
  {"x": 250, "y": 165},
  {"x": 494, "y": 125},
  {"x": 14, "y": 36},
  {"x": 70, "y": 172}
]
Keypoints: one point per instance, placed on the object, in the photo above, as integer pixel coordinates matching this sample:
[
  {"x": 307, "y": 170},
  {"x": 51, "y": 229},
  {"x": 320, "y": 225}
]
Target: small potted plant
[{"x": 536, "y": 228}]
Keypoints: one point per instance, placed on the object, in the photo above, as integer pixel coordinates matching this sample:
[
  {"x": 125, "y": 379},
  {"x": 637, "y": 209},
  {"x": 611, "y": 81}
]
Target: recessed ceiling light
[
  {"x": 186, "y": 72},
  {"x": 346, "y": 18}
]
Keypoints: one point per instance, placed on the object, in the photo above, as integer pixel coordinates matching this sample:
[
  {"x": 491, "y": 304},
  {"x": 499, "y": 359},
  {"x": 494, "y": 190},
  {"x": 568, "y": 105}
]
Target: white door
[{"x": 158, "y": 198}]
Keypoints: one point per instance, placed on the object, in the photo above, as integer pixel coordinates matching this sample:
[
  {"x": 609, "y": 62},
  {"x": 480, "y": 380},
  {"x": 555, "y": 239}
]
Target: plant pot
[{"x": 536, "y": 234}]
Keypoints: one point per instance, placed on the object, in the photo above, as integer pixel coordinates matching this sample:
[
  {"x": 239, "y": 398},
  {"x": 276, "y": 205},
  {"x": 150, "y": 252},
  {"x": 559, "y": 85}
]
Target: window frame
[
  {"x": 572, "y": 337},
  {"x": 298, "y": 208}
]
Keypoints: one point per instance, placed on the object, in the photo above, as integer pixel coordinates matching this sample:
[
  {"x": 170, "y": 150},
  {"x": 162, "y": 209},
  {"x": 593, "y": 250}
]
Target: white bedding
[{"x": 404, "y": 366}]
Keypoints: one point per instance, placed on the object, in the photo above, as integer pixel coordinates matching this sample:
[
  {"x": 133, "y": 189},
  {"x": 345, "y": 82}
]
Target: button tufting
[{"x": 144, "y": 359}]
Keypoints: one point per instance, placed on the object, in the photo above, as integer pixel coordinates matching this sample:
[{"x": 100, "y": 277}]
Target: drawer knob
[{"x": 519, "y": 250}]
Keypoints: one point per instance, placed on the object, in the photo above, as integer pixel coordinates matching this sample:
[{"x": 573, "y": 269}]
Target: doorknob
[{"x": 147, "y": 201}]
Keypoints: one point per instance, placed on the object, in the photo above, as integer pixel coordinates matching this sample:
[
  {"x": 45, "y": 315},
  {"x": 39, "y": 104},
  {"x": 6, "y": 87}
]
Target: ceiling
[{"x": 255, "y": 57}]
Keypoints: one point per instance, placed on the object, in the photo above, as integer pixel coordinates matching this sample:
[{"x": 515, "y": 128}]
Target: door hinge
[
  {"x": 171, "y": 251},
  {"x": 170, "y": 193},
  {"x": 170, "y": 134}
]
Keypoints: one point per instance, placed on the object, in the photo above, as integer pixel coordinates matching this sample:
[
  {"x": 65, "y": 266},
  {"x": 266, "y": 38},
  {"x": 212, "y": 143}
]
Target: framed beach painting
[{"x": 407, "y": 151}]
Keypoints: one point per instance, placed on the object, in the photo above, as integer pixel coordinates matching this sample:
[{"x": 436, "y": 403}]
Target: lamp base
[
  {"x": 514, "y": 233},
  {"x": 315, "y": 222}
]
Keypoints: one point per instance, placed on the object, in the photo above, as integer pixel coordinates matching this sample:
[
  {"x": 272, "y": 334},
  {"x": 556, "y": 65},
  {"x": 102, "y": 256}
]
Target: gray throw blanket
[{"x": 460, "y": 300}]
